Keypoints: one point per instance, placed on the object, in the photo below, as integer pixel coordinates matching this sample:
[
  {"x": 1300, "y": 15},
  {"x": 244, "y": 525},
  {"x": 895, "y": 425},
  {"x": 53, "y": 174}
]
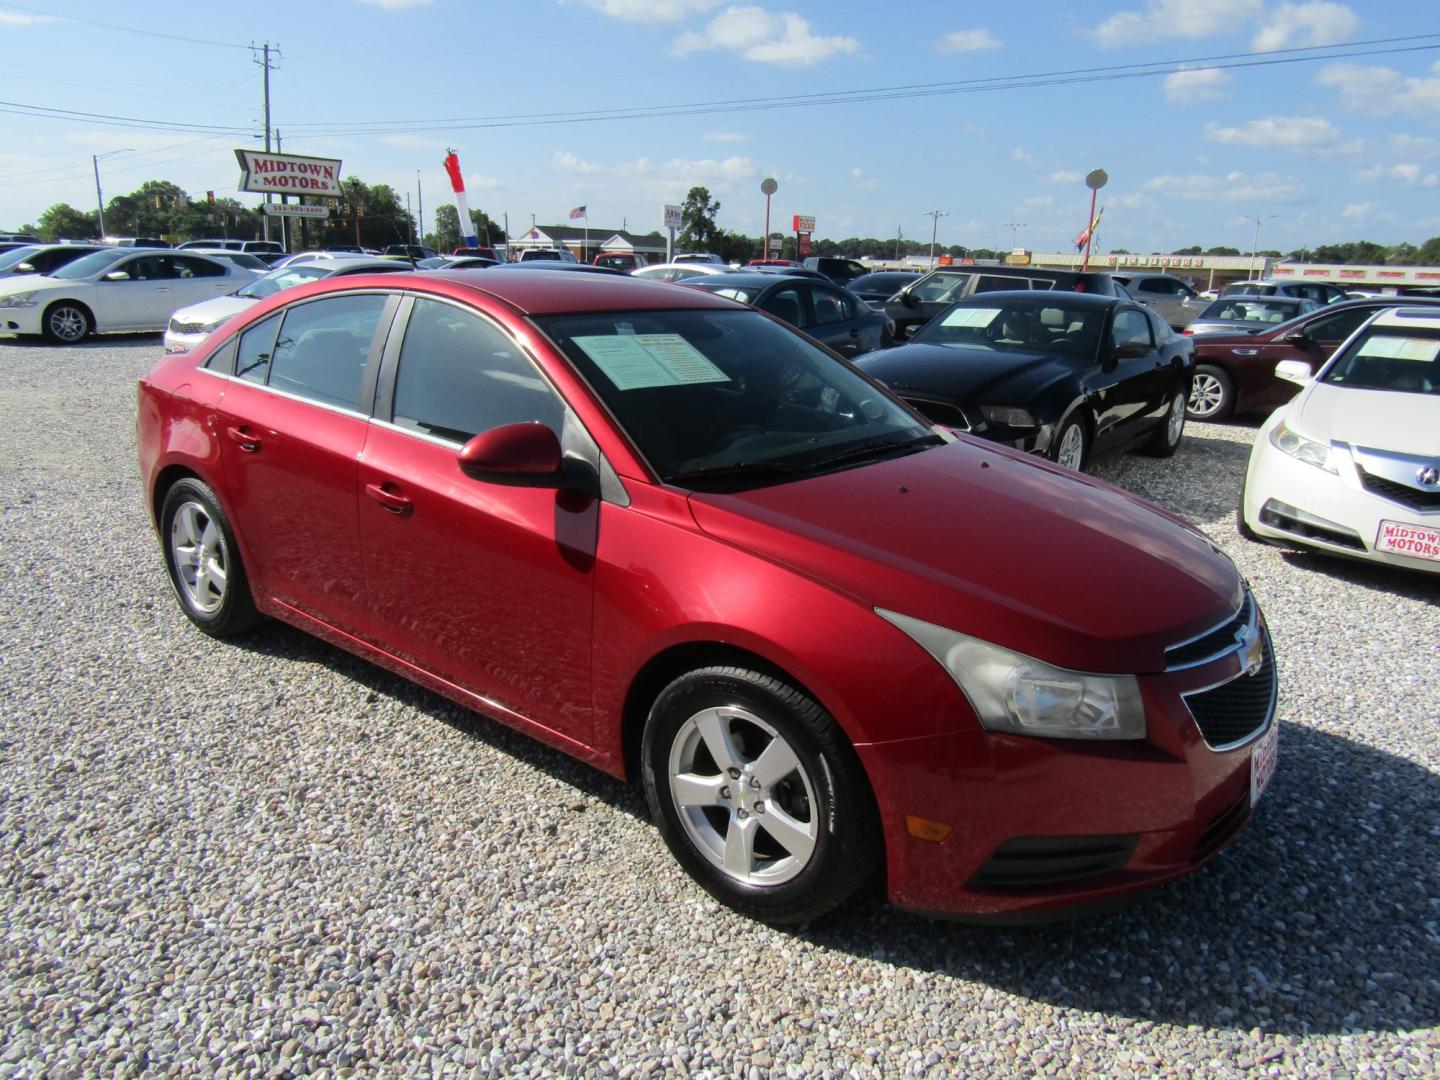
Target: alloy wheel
[
  {"x": 1206, "y": 395},
  {"x": 197, "y": 548}
]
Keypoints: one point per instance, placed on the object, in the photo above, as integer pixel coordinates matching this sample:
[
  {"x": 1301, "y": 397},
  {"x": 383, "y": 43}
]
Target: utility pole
[
  {"x": 264, "y": 62},
  {"x": 99, "y": 198},
  {"x": 1255, "y": 243},
  {"x": 899, "y": 233},
  {"x": 420, "y": 206},
  {"x": 935, "y": 216}
]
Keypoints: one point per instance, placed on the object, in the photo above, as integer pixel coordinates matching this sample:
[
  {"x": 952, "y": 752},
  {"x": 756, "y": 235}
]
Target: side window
[
  {"x": 1159, "y": 327},
  {"x": 786, "y": 306},
  {"x": 252, "y": 362},
  {"x": 1333, "y": 329},
  {"x": 1160, "y": 286},
  {"x": 832, "y": 307},
  {"x": 985, "y": 283},
  {"x": 186, "y": 267},
  {"x": 941, "y": 287},
  {"x": 1131, "y": 328},
  {"x": 147, "y": 268},
  {"x": 321, "y": 351},
  {"x": 459, "y": 375},
  {"x": 222, "y": 360}
]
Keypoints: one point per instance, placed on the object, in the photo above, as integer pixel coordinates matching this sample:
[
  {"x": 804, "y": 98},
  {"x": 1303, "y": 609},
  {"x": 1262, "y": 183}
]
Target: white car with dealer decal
[{"x": 1352, "y": 464}]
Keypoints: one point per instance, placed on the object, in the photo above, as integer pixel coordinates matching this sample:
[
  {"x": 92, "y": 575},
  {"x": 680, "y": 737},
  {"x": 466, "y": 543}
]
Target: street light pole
[
  {"x": 934, "y": 216},
  {"x": 99, "y": 198},
  {"x": 1255, "y": 242},
  {"x": 1012, "y": 226}
]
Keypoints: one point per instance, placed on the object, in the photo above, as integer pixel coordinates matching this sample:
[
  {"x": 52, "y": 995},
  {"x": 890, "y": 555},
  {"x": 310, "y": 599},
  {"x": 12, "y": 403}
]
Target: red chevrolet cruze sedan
[{"x": 678, "y": 539}]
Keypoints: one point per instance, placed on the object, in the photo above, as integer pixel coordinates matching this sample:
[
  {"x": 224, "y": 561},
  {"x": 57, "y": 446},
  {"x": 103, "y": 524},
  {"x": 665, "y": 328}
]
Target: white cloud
[
  {"x": 677, "y": 173},
  {"x": 1415, "y": 146},
  {"x": 397, "y": 5},
  {"x": 1174, "y": 18},
  {"x": 1358, "y": 211},
  {"x": 1023, "y": 156},
  {"x": 756, "y": 35},
  {"x": 1306, "y": 134},
  {"x": 1406, "y": 173},
  {"x": 1038, "y": 201},
  {"x": 975, "y": 131},
  {"x": 1065, "y": 176},
  {"x": 1381, "y": 90},
  {"x": 1132, "y": 201},
  {"x": 651, "y": 11},
  {"x": 726, "y": 137},
  {"x": 1297, "y": 26},
  {"x": 565, "y": 161},
  {"x": 1233, "y": 187},
  {"x": 1190, "y": 85},
  {"x": 967, "y": 41},
  {"x": 863, "y": 182},
  {"x": 16, "y": 18}
]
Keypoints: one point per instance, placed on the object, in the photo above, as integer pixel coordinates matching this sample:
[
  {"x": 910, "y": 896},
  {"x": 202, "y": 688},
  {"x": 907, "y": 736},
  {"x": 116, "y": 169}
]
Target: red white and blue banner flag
[{"x": 457, "y": 182}]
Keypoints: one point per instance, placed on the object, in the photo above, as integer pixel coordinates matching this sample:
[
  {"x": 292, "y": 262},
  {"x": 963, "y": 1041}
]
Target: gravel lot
[{"x": 270, "y": 858}]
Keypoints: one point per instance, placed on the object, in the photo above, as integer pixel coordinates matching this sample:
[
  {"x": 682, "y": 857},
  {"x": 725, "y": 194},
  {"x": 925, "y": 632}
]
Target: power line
[{"x": 122, "y": 29}]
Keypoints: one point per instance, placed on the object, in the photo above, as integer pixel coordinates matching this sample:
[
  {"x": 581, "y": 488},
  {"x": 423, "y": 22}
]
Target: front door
[{"x": 488, "y": 586}]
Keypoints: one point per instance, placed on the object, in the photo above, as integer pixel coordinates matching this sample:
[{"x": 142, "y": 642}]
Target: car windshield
[
  {"x": 746, "y": 294},
  {"x": 276, "y": 280},
  {"x": 726, "y": 400},
  {"x": 1393, "y": 358},
  {"x": 94, "y": 263},
  {"x": 1046, "y": 324},
  {"x": 16, "y": 255},
  {"x": 1251, "y": 309}
]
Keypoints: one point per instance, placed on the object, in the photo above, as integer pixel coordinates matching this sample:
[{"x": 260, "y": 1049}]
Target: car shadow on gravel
[
  {"x": 1320, "y": 918},
  {"x": 1393, "y": 580},
  {"x": 94, "y": 341}
]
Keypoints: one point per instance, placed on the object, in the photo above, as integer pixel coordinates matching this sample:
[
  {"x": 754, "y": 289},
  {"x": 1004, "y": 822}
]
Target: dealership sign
[
  {"x": 286, "y": 174},
  {"x": 295, "y": 210},
  {"x": 804, "y": 223}
]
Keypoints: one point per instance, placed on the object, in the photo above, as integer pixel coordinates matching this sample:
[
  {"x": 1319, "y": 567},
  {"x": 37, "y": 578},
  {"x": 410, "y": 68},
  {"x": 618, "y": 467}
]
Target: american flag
[{"x": 577, "y": 213}]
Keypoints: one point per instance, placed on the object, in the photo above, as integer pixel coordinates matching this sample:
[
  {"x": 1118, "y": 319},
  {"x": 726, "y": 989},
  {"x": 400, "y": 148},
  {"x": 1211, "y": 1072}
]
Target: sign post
[
  {"x": 769, "y": 187},
  {"x": 672, "y": 222},
  {"x": 1097, "y": 179},
  {"x": 804, "y": 226}
]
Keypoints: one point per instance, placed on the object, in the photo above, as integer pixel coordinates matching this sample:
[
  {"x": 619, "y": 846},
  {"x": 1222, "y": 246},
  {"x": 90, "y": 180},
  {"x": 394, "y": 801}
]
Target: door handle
[
  {"x": 393, "y": 501},
  {"x": 248, "y": 443}
]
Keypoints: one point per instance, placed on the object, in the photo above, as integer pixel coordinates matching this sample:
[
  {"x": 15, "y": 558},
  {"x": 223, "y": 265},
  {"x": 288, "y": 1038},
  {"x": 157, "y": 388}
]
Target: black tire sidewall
[
  {"x": 847, "y": 845},
  {"x": 237, "y": 611},
  {"x": 1160, "y": 445}
]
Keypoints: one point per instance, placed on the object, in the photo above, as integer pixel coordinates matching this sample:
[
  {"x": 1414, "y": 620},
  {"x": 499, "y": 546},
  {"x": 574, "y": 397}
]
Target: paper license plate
[
  {"x": 1417, "y": 541},
  {"x": 1262, "y": 762}
]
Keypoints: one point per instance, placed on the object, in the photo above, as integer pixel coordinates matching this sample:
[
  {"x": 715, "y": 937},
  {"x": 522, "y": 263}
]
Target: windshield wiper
[
  {"x": 876, "y": 448},
  {"x": 737, "y": 470}
]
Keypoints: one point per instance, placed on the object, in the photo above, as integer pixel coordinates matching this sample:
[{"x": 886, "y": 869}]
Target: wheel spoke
[
  {"x": 796, "y": 837},
  {"x": 186, "y": 520},
  {"x": 740, "y": 846},
  {"x": 774, "y": 764},
  {"x": 715, "y": 730},
  {"x": 691, "y": 789},
  {"x": 211, "y": 578}
]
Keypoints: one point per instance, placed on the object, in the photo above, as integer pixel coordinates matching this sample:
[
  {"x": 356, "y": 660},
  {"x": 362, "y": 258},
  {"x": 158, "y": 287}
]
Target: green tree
[
  {"x": 1402, "y": 255},
  {"x": 698, "y": 231},
  {"x": 1222, "y": 251},
  {"x": 1193, "y": 249},
  {"x": 446, "y": 236},
  {"x": 1429, "y": 253},
  {"x": 63, "y": 220}
]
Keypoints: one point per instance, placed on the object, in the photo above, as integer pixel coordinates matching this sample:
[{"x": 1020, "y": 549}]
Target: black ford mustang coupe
[{"x": 1067, "y": 375}]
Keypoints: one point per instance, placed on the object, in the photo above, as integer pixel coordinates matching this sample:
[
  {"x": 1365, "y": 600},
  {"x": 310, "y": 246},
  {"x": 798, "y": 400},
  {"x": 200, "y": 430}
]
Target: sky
[{"x": 1227, "y": 122}]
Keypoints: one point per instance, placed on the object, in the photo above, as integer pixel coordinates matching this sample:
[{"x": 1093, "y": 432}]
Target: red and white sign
[
  {"x": 804, "y": 223},
  {"x": 672, "y": 216},
  {"x": 287, "y": 174},
  {"x": 1417, "y": 541}
]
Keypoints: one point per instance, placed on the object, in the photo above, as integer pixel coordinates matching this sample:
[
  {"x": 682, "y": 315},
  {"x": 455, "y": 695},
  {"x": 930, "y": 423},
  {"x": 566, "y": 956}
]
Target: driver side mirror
[
  {"x": 905, "y": 297},
  {"x": 1296, "y": 337},
  {"x": 23, "y": 268},
  {"x": 526, "y": 455},
  {"x": 117, "y": 275},
  {"x": 1132, "y": 350},
  {"x": 1295, "y": 371}
]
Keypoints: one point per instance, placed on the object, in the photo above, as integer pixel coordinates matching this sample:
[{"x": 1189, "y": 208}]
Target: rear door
[{"x": 835, "y": 320}]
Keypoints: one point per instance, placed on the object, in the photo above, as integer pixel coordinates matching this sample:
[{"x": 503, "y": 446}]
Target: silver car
[
  {"x": 1169, "y": 297},
  {"x": 1237, "y": 314}
]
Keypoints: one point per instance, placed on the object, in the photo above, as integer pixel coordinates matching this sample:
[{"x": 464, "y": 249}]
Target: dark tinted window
[
  {"x": 1337, "y": 327},
  {"x": 256, "y": 345},
  {"x": 187, "y": 267},
  {"x": 786, "y": 305},
  {"x": 1131, "y": 328},
  {"x": 460, "y": 375},
  {"x": 942, "y": 286},
  {"x": 322, "y": 347},
  {"x": 832, "y": 306},
  {"x": 991, "y": 283},
  {"x": 147, "y": 268}
]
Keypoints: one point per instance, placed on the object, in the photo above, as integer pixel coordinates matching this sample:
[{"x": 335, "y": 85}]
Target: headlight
[
  {"x": 1016, "y": 693},
  {"x": 1289, "y": 441},
  {"x": 1010, "y": 417},
  {"x": 24, "y": 299}
]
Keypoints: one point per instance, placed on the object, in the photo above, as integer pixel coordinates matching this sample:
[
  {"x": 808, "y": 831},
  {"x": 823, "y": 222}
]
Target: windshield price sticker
[
  {"x": 1262, "y": 761},
  {"x": 1389, "y": 347},
  {"x": 645, "y": 361},
  {"x": 1417, "y": 541},
  {"x": 976, "y": 316}
]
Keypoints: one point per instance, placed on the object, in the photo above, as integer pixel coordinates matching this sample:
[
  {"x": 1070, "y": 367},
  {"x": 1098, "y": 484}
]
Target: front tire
[
  {"x": 204, "y": 561},
  {"x": 67, "y": 322},
  {"x": 1212, "y": 394},
  {"x": 1166, "y": 438},
  {"x": 758, "y": 794},
  {"x": 1072, "y": 443}
]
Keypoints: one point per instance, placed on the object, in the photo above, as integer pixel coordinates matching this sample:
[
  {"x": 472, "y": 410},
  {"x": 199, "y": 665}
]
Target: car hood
[
  {"x": 22, "y": 283},
  {"x": 997, "y": 545},
  {"x": 1377, "y": 419},
  {"x": 213, "y": 311},
  {"x": 982, "y": 375}
]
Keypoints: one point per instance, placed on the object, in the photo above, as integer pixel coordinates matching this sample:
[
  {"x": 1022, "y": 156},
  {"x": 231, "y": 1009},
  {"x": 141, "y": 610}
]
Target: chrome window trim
[{"x": 267, "y": 388}]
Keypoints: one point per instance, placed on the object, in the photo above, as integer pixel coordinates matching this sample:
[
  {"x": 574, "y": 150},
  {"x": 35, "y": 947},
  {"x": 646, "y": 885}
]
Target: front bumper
[
  {"x": 1290, "y": 502},
  {"x": 26, "y": 320},
  {"x": 1044, "y": 828}
]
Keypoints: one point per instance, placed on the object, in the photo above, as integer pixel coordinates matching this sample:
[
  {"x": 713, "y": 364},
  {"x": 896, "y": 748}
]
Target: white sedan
[
  {"x": 114, "y": 289},
  {"x": 1352, "y": 464}
]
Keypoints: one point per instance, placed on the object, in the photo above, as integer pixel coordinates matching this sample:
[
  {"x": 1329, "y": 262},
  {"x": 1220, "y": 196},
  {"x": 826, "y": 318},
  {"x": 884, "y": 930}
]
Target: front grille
[
  {"x": 1405, "y": 495},
  {"x": 939, "y": 412},
  {"x": 1222, "y": 639},
  {"x": 1027, "y": 861},
  {"x": 1231, "y": 713},
  {"x": 187, "y": 327}
]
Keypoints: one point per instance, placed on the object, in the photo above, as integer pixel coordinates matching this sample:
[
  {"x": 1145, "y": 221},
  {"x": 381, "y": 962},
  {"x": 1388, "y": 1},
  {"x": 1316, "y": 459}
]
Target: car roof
[
  {"x": 1039, "y": 296},
  {"x": 1407, "y": 315},
  {"x": 539, "y": 292},
  {"x": 755, "y": 278}
]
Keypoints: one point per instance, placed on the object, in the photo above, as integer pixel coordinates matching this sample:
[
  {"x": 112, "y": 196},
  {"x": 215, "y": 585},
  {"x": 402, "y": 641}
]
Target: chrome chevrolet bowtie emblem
[
  {"x": 1252, "y": 654},
  {"x": 1429, "y": 476}
]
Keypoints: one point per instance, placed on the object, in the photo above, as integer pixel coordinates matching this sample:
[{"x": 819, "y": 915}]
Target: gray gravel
[{"x": 269, "y": 858}]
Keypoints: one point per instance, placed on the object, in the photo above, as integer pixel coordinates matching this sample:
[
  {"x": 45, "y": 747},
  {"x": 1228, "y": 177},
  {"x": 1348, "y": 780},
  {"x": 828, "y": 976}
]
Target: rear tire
[
  {"x": 758, "y": 794},
  {"x": 1212, "y": 394},
  {"x": 204, "y": 561}
]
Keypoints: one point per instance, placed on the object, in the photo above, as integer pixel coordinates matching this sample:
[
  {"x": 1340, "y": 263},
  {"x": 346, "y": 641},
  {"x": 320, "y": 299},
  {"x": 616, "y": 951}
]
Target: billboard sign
[
  {"x": 287, "y": 174},
  {"x": 804, "y": 223},
  {"x": 672, "y": 216}
]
